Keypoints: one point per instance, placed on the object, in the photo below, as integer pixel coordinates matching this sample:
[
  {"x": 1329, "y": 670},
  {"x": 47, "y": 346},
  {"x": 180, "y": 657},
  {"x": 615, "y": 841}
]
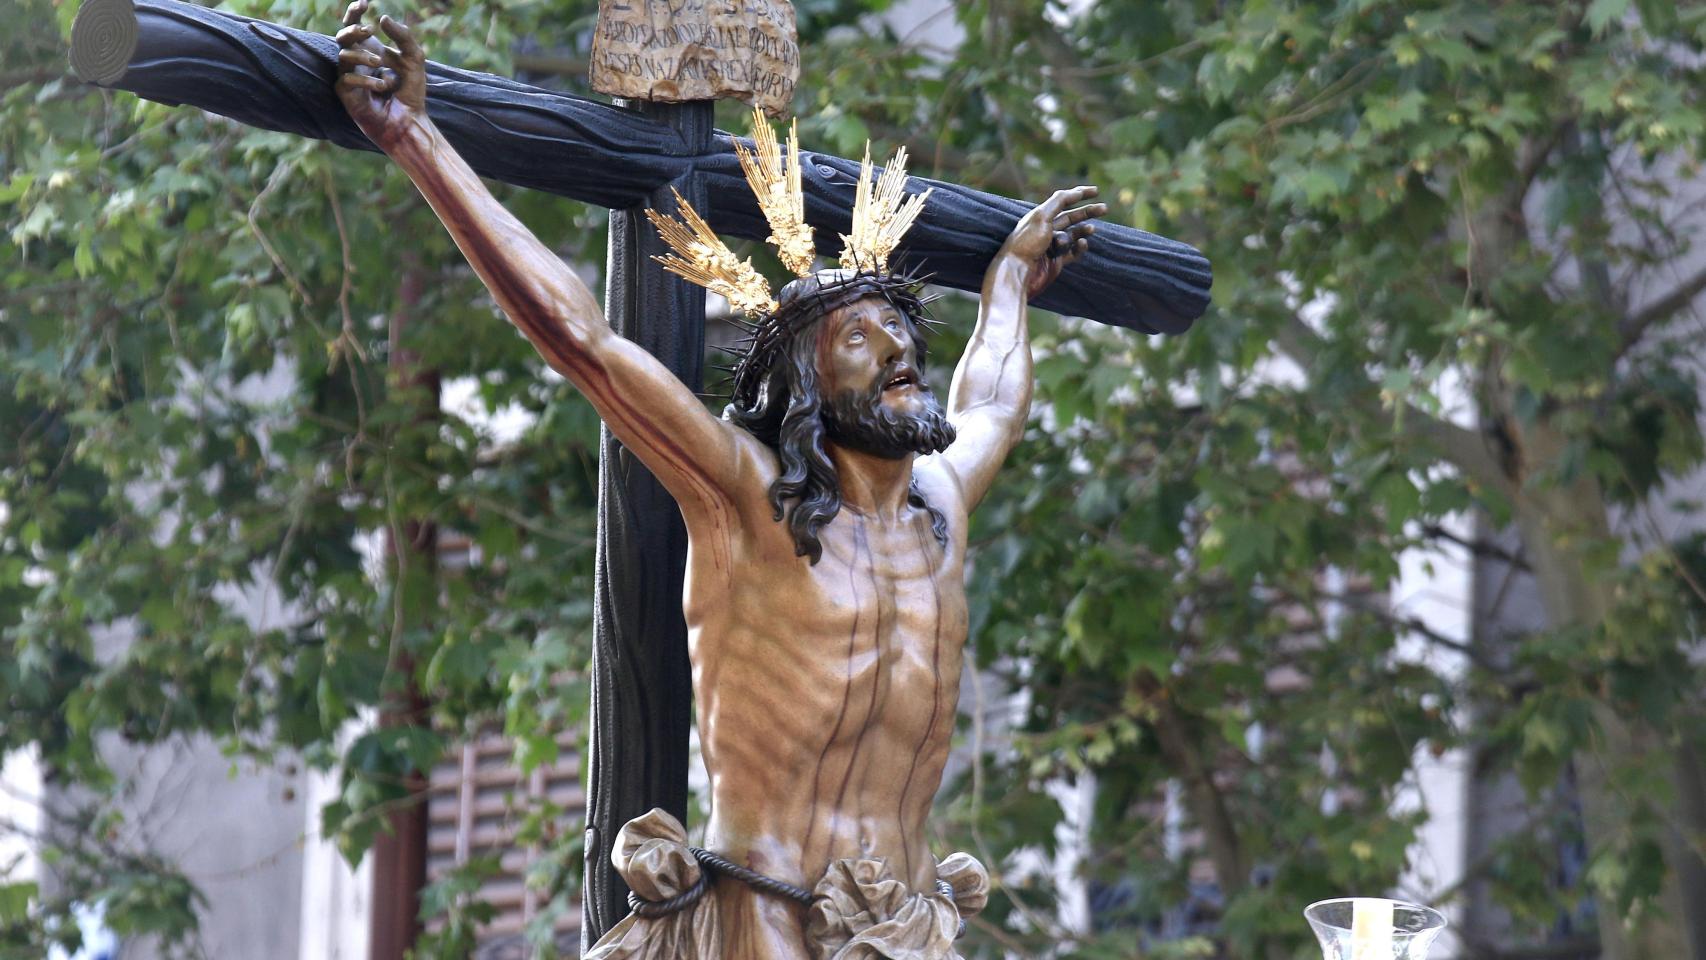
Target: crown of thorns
[
  {"x": 803, "y": 301},
  {"x": 882, "y": 213}
]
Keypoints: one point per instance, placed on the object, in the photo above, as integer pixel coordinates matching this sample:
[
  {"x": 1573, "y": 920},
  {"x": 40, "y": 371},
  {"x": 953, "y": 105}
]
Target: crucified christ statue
[{"x": 826, "y": 515}]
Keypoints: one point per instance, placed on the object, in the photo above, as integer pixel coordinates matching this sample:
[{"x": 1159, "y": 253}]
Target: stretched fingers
[
  {"x": 352, "y": 57},
  {"x": 1089, "y": 211},
  {"x": 1054, "y": 209},
  {"x": 1081, "y": 193},
  {"x": 354, "y": 34},
  {"x": 1072, "y": 196},
  {"x": 402, "y": 36},
  {"x": 380, "y": 84},
  {"x": 354, "y": 12}
]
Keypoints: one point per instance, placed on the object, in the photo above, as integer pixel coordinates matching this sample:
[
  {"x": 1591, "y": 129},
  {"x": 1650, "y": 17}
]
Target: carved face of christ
[{"x": 876, "y": 399}]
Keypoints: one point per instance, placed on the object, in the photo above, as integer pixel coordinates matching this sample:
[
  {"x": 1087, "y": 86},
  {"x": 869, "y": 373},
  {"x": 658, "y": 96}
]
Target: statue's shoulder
[
  {"x": 756, "y": 467},
  {"x": 758, "y": 459},
  {"x": 940, "y": 486}
]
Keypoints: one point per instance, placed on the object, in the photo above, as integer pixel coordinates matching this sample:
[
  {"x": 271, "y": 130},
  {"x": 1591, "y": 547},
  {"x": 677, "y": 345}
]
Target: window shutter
[{"x": 477, "y": 802}]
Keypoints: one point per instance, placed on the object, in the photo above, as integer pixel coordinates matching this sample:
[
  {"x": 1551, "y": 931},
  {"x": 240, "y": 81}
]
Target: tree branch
[
  {"x": 17, "y": 78},
  {"x": 1464, "y": 448},
  {"x": 1636, "y": 324},
  {"x": 952, "y": 163},
  {"x": 1415, "y": 625},
  {"x": 1357, "y": 77},
  {"x": 1063, "y": 61},
  {"x": 553, "y": 65},
  {"x": 1208, "y": 804},
  {"x": 1479, "y": 548},
  {"x": 1300, "y": 342},
  {"x": 1532, "y": 154}
]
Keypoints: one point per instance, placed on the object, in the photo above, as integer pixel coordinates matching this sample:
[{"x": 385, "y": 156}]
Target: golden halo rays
[{"x": 882, "y": 213}]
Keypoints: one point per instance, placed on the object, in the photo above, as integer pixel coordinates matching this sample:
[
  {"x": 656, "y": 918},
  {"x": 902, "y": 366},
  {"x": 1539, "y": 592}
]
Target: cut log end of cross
[{"x": 103, "y": 39}]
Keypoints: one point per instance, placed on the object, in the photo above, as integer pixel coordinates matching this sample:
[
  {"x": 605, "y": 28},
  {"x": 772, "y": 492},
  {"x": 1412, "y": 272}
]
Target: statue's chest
[{"x": 889, "y": 601}]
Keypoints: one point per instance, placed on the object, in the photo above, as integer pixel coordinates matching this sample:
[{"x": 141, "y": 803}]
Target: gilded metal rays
[{"x": 882, "y": 213}]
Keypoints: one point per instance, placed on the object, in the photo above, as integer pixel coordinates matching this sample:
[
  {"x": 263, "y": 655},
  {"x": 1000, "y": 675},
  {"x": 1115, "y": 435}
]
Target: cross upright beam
[{"x": 642, "y": 684}]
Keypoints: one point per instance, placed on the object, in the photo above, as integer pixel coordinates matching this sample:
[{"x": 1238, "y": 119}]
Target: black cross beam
[
  {"x": 277, "y": 78},
  {"x": 624, "y": 158}
]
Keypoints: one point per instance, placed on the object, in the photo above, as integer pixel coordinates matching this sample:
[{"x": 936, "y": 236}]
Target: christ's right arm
[{"x": 695, "y": 456}]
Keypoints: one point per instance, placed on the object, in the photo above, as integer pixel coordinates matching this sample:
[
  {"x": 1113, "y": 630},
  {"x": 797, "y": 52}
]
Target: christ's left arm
[{"x": 991, "y": 393}]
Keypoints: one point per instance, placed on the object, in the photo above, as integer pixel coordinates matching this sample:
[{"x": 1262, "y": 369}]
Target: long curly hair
[{"x": 788, "y": 412}]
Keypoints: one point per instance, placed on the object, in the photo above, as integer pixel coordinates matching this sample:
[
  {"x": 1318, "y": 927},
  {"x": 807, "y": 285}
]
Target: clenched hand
[{"x": 383, "y": 88}]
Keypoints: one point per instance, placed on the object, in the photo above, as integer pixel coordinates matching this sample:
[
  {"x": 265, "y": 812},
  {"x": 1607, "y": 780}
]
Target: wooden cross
[{"x": 625, "y": 159}]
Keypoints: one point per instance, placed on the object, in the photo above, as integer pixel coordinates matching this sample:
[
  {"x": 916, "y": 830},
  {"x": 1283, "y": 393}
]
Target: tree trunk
[
  {"x": 1558, "y": 526},
  {"x": 400, "y": 851},
  {"x": 1203, "y": 796}
]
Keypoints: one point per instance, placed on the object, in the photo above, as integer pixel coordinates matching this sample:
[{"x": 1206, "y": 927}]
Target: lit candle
[{"x": 1371, "y": 929}]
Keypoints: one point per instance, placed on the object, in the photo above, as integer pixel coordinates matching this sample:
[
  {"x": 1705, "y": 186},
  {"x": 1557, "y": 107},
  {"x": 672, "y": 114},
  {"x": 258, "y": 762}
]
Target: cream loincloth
[{"x": 859, "y": 910}]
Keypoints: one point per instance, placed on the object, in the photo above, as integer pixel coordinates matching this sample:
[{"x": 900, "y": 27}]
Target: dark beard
[{"x": 858, "y": 421}]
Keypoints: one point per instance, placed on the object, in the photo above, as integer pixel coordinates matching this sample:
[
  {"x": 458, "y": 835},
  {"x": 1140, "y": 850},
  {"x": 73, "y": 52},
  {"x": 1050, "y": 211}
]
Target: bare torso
[{"x": 825, "y": 693}]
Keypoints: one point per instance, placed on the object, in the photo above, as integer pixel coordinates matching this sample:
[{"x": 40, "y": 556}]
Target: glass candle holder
[{"x": 1412, "y": 930}]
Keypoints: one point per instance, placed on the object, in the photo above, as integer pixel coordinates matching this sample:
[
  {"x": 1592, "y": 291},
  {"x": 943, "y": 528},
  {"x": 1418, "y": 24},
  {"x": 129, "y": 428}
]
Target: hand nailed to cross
[
  {"x": 1052, "y": 236},
  {"x": 277, "y": 78},
  {"x": 383, "y": 88}
]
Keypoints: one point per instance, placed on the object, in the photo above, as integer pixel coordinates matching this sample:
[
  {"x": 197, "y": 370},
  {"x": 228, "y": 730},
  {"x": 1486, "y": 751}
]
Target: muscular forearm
[
  {"x": 696, "y": 457},
  {"x": 533, "y": 286},
  {"x": 991, "y": 395},
  {"x": 996, "y": 369}
]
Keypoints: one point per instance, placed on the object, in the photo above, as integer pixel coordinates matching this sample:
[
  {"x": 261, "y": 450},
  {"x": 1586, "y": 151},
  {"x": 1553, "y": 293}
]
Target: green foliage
[
  {"x": 1409, "y": 207},
  {"x": 1180, "y": 580},
  {"x": 196, "y": 406}
]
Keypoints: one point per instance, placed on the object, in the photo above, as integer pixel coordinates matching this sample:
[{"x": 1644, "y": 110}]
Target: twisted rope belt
[{"x": 711, "y": 864}]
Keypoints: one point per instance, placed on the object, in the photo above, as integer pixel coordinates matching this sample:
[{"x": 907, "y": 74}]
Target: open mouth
[{"x": 900, "y": 381}]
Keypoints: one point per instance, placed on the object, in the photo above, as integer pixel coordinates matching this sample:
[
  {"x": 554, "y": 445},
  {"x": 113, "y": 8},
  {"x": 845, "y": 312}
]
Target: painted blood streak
[
  {"x": 876, "y": 680},
  {"x": 846, "y": 696},
  {"x": 927, "y": 550}
]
